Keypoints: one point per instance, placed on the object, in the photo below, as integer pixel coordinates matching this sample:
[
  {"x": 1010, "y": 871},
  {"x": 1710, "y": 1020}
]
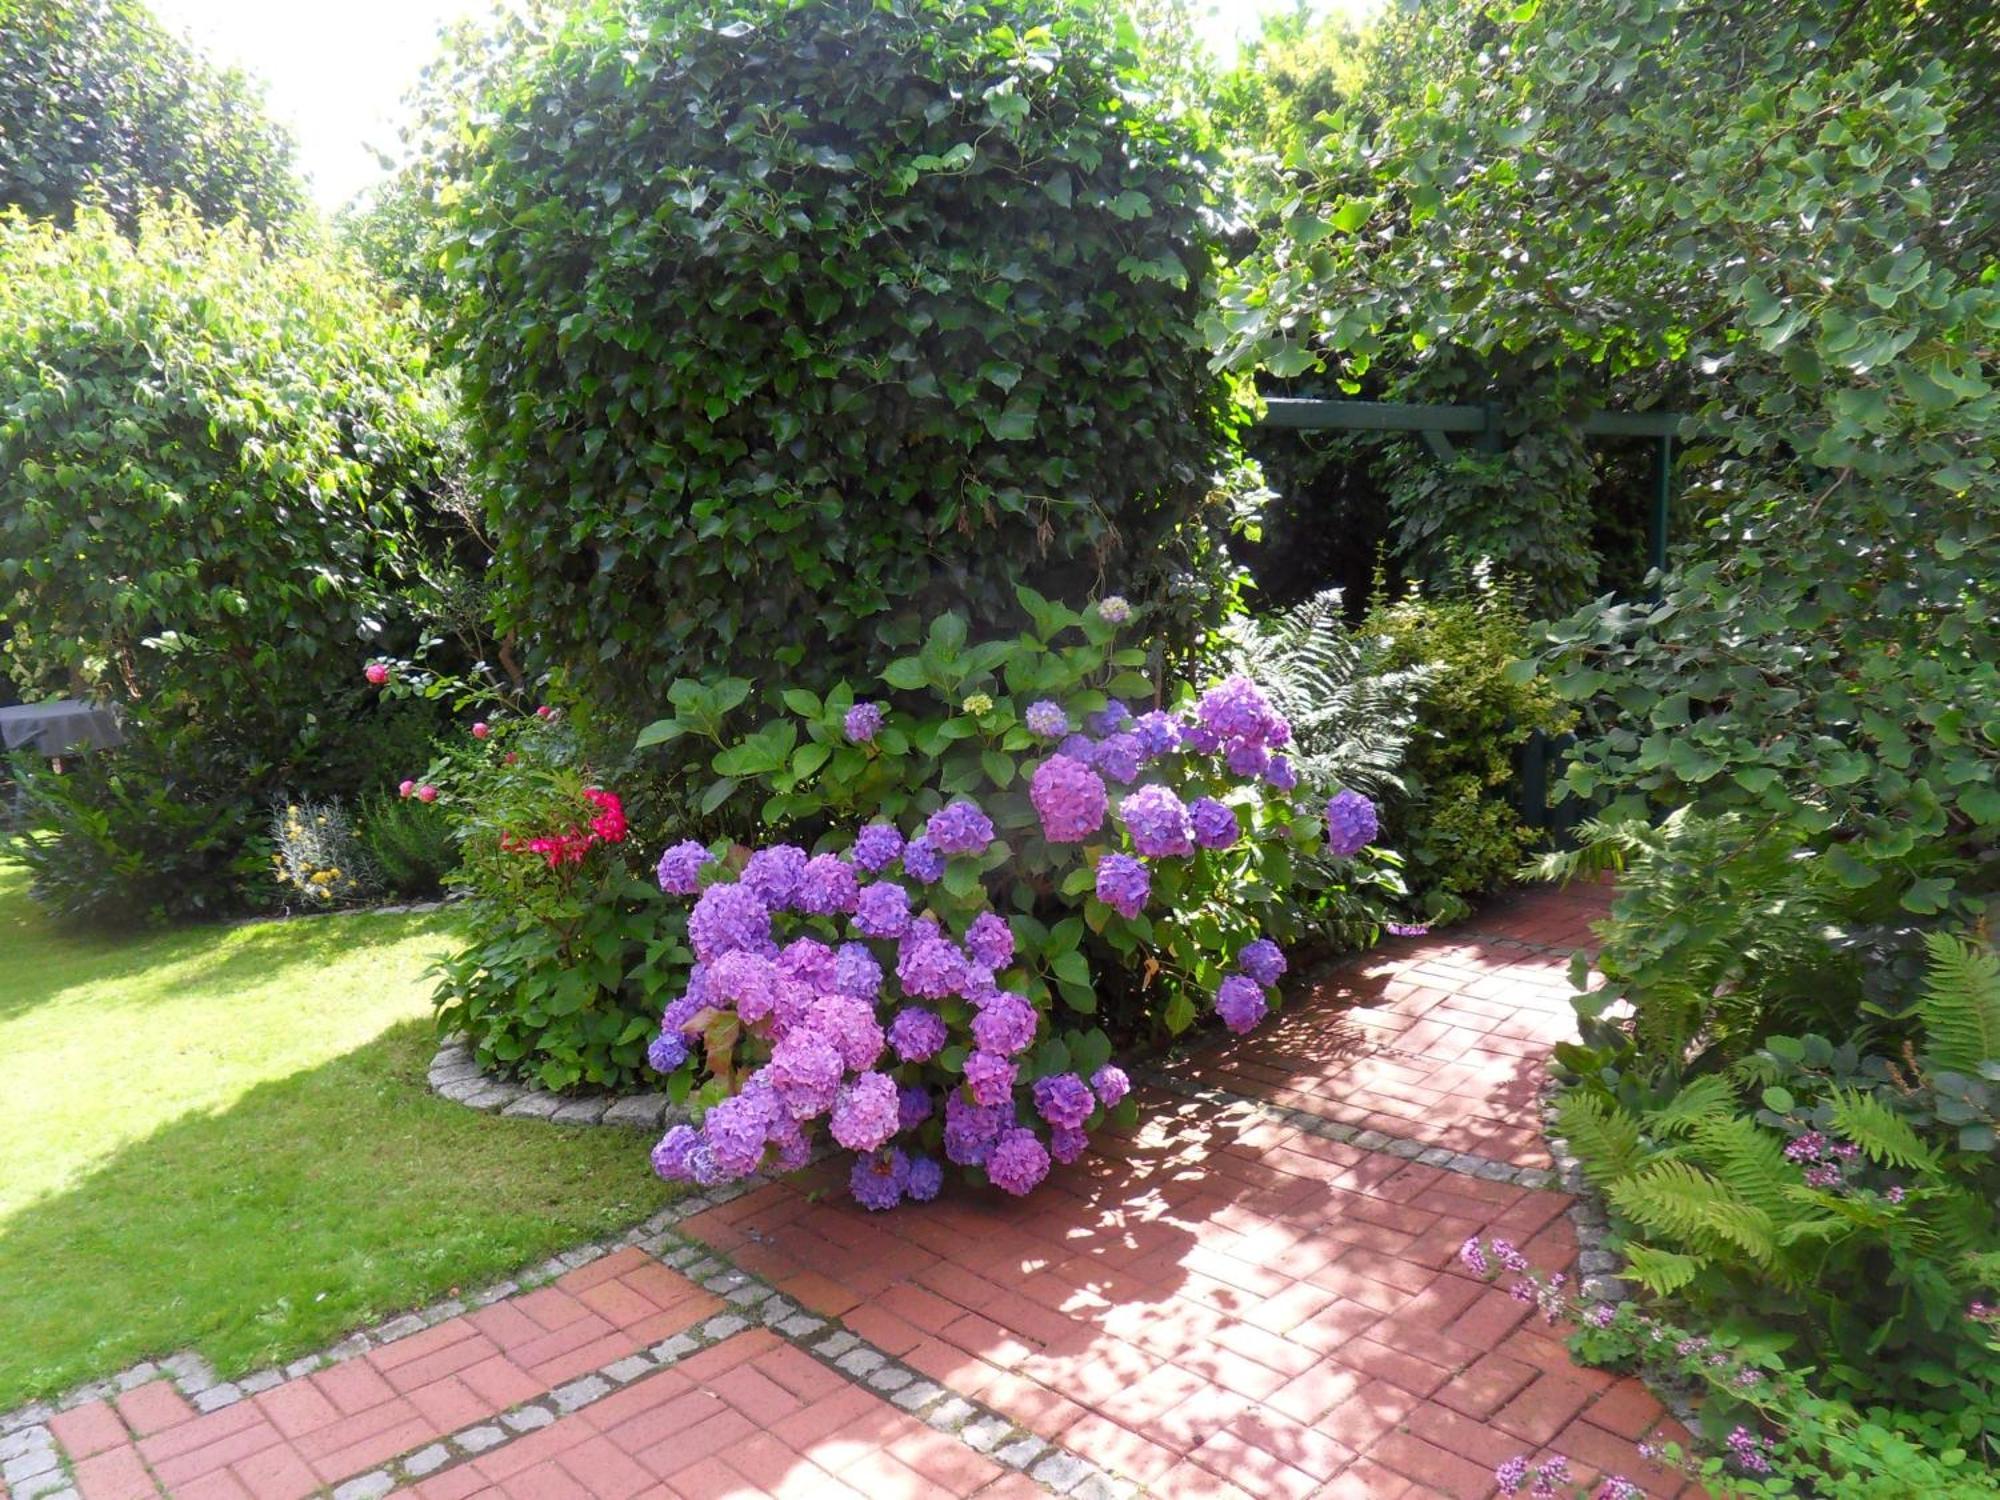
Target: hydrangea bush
[{"x": 1023, "y": 850}]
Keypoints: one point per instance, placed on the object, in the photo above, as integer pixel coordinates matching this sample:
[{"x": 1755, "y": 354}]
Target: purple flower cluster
[
  {"x": 1351, "y": 824},
  {"x": 1123, "y": 884},
  {"x": 1239, "y": 1000},
  {"x": 681, "y": 866},
  {"x": 876, "y": 847},
  {"x": 1110, "y": 1085},
  {"x": 1159, "y": 826},
  {"x": 959, "y": 828},
  {"x": 1215, "y": 825},
  {"x": 1064, "y": 1100},
  {"x": 990, "y": 940},
  {"x": 1263, "y": 960},
  {"x": 862, "y": 722},
  {"x": 1236, "y": 716},
  {"x": 1070, "y": 799},
  {"x": 922, "y": 861}
]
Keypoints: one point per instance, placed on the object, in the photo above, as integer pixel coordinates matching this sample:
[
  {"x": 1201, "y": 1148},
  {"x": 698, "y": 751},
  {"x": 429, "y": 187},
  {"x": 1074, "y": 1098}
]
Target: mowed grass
[{"x": 220, "y": 1139}]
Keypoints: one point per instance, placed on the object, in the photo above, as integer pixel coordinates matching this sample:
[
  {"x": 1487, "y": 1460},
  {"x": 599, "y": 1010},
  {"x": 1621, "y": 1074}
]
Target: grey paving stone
[
  {"x": 680, "y": 1257},
  {"x": 97, "y": 1390},
  {"x": 630, "y": 1368},
  {"x": 25, "y": 1440},
  {"x": 637, "y": 1111},
  {"x": 1061, "y": 1472},
  {"x": 1495, "y": 1171},
  {"x": 1103, "y": 1487},
  {"x": 776, "y": 1309},
  {"x": 1436, "y": 1156},
  {"x": 537, "y": 1104},
  {"x": 462, "y": 1090},
  {"x": 581, "y": 1256},
  {"x": 493, "y": 1294},
  {"x": 835, "y": 1344},
  {"x": 442, "y": 1311},
  {"x": 399, "y": 1328},
  {"x": 580, "y": 1393},
  {"x": 1021, "y": 1452},
  {"x": 581, "y": 1111},
  {"x": 1408, "y": 1150},
  {"x": 259, "y": 1381},
  {"x": 951, "y": 1414},
  {"x": 427, "y": 1460},
  {"x": 1536, "y": 1178},
  {"x": 189, "y": 1368},
  {"x": 348, "y": 1348},
  {"x": 27, "y": 1465},
  {"x": 860, "y": 1361},
  {"x": 984, "y": 1433},
  {"x": 529, "y": 1418},
  {"x": 749, "y": 1296},
  {"x": 680, "y": 1346},
  {"x": 452, "y": 1072},
  {"x": 917, "y": 1395},
  {"x": 724, "y": 1325},
  {"x": 801, "y": 1325},
  {"x": 218, "y": 1396},
  {"x": 1461, "y": 1162},
  {"x": 1371, "y": 1140},
  {"x": 32, "y": 1415},
  {"x": 1337, "y": 1131},
  {"x": 724, "y": 1281},
  {"x": 41, "y": 1485},
  {"x": 479, "y": 1439},
  {"x": 367, "y": 1487},
  {"x": 890, "y": 1378},
  {"x": 304, "y": 1366}
]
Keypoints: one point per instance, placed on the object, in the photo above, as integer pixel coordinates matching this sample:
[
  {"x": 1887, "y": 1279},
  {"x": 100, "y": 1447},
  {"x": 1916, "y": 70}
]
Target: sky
[{"x": 335, "y": 71}]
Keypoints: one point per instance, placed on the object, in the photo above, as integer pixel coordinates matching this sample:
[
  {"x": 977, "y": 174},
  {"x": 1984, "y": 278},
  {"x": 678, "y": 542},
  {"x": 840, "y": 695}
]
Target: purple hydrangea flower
[
  {"x": 774, "y": 874},
  {"x": 727, "y": 917},
  {"x": 959, "y": 828},
  {"x": 862, "y": 722},
  {"x": 1069, "y": 797},
  {"x": 746, "y": 981},
  {"x": 990, "y": 1077},
  {"x": 804, "y": 1072},
  {"x": 809, "y": 961},
  {"x": 1240, "y": 1002},
  {"x": 917, "y": 1034},
  {"x": 930, "y": 968},
  {"x": 882, "y": 910},
  {"x": 1067, "y": 1145},
  {"x": 1080, "y": 748},
  {"x": 921, "y": 861},
  {"x": 877, "y": 1179},
  {"x": 925, "y": 1181},
  {"x": 1159, "y": 825},
  {"x": 1200, "y": 738},
  {"x": 826, "y": 887},
  {"x": 913, "y": 1106},
  {"x": 1109, "y": 719},
  {"x": 1246, "y": 760},
  {"x": 1046, "y": 719},
  {"x": 1005, "y": 1025},
  {"x": 971, "y": 1129},
  {"x": 1263, "y": 961},
  {"x": 703, "y": 1169},
  {"x": 790, "y": 1146},
  {"x": 1215, "y": 825},
  {"x": 681, "y": 867},
  {"x": 670, "y": 1156},
  {"x": 991, "y": 940},
  {"x": 665, "y": 1054},
  {"x": 851, "y": 1026},
  {"x": 1122, "y": 884},
  {"x": 1157, "y": 733},
  {"x": 877, "y": 846},
  {"x": 680, "y": 1013},
  {"x": 856, "y": 973},
  {"x": 1064, "y": 1100},
  {"x": 1236, "y": 711},
  {"x": 1114, "y": 609},
  {"x": 1120, "y": 757},
  {"x": 1351, "y": 824},
  {"x": 864, "y": 1112},
  {"x": 1280, "y": 773},
  {"x": 1018, "y": 1162},
  {"x": 1110, "y": 1085},
  {"x": 735, "y": 1129}
]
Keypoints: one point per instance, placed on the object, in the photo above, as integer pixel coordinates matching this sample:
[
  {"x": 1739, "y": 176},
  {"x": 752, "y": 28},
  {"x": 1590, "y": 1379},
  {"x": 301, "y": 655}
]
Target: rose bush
[{"x": 990, "y": 893}]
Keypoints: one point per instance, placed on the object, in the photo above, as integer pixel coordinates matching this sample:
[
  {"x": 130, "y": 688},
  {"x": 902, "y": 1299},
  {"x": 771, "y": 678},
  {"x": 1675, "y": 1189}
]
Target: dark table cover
[{"x": 59, "y": 727}]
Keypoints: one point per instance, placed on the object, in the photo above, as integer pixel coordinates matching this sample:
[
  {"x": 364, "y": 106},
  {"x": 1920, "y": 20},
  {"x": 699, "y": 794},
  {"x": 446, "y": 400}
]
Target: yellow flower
[{"x": 977, "y": 704}]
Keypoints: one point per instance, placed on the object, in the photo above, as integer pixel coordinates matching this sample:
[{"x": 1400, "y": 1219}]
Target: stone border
[{"x": 454, "y": 1075}]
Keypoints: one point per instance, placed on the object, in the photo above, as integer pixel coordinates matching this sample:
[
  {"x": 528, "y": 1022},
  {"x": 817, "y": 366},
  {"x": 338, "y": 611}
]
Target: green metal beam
[{"x": 1401, "y": 416}]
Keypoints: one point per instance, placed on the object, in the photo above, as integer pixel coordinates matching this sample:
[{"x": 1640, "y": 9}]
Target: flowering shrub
[
  {"x": 318, "y": 854},
  {"x": 997, "y": 884}
]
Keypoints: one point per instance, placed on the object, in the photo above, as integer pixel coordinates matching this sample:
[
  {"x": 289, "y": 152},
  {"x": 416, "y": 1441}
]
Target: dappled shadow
[{"x": 310, "y": 1205}]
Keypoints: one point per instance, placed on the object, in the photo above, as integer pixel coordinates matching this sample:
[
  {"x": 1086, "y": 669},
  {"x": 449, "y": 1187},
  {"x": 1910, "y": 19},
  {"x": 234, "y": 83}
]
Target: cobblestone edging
[{"x": 454, "y": 1075}]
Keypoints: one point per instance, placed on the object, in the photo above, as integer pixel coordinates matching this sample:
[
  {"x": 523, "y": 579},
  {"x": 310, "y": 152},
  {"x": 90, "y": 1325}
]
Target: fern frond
[
  {"x": 1707, "y": 1098},
  {"x": 1603, "y": 1136},
  {"x": 1960, "y": 1004},
  {"x": 1883, "y": 1136},
  {"x": 1750, "y": 1159},
  {"x": 1674, "y": 1198},
  {"x": 1661, "y": 1272}
]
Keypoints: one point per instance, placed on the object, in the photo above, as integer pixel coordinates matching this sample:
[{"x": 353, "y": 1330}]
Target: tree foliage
[
  {"x": 783, "y": 326},
  {"x": 1796, "y": 223},
  {"x": 99, "y": 104}
]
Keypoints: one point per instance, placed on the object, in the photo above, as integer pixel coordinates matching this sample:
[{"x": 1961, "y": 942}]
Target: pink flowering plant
[{"x": 993, "y": 863}]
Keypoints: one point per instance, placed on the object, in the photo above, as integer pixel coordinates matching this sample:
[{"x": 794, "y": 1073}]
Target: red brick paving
[{"x": 1216, "y": 1305}]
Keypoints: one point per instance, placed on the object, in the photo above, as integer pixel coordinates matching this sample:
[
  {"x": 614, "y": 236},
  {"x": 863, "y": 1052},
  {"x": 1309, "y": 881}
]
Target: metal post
[{"x": 1663, "y": 493}]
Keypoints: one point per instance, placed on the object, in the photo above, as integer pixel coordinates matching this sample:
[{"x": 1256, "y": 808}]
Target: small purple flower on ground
[
  {"x": 1159, "y": 825},
  {"x": 960, "y": 828},
  {"x": 917, "y": 1034},
  {"x": 1747, "y": 1449},
  {"x": 1122, "y": 884},
  {"x": 926, "y": 1178},
  {"x": 990, "y": 1077},
  {"x": 876, "y": 847},
  {"x": 991, "y": 940},
  {"x": 1351, "y": 824},
  {"x": 1263, "y": 960},
  {"x": 1809, "y": 1147},
  {"x": 862, "y": 722},
  {"x": 1510, "y": 1475},
  {"x": 1018, "y": 1162},
  {"x": 681, "y": 866},
  {"x": 1473, "y": 1256},
  {"x": 1046, "y": 719},
  {"x": 1064, "y": 1100},
  {"x": 1070, "y": 799},
  {"x": 1110, "y": 1085},
  {"x": 1240, "y": 1002},
  {"x": 775, "y": 873},
  {"x": 921, "y": 861},
  {"x": 1215, "y": 825},
  {"x": 1618, "y": 1487},
  {"x": 882, "y": 910},
  {"x": 865, "y": 1112},
  {"x": 878, "y": 1179}
]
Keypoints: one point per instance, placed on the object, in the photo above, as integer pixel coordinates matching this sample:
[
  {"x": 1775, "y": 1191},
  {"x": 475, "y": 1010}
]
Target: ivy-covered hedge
[{"x": 784, "y": 326}]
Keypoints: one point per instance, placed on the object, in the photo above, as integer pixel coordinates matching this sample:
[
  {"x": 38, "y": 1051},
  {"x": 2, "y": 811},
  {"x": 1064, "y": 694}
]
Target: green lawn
[{"x": 220, "y": 1138}]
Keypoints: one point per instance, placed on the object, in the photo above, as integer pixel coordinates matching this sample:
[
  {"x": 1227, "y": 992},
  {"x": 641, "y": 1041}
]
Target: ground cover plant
[
  {"x": 1016, "y": 876},
  {"x": 233, "y": 1149}
]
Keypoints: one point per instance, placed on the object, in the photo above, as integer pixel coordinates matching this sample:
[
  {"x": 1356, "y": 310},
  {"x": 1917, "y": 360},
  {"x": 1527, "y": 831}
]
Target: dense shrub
[
  {"x": 210, "y": 462},
  {"x": 99, "y": 103},
  {"x": 784, "y": 325},
  {"x": 412, "y": 842},
  {"x": 1015, "y": 871},
  {"x": 319, "y": 857},
  {"x": 1459, "y": 826}
]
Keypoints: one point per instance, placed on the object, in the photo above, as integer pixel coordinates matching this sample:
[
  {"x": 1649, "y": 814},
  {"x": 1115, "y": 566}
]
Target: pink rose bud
[
  {"x": 405, "y": 788},
  {"x": 545, "y": 712},
  {"x": 511, "y": 757},
  {"x": 376, "y": 673},
  {"x": 427, "y": 793},
  {"x": 481, "y": 730}
]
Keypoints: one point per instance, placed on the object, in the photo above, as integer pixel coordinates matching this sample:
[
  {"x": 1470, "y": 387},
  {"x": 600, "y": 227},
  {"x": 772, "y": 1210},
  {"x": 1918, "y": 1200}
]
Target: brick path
[{"x": 1252, "y": 1294}]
